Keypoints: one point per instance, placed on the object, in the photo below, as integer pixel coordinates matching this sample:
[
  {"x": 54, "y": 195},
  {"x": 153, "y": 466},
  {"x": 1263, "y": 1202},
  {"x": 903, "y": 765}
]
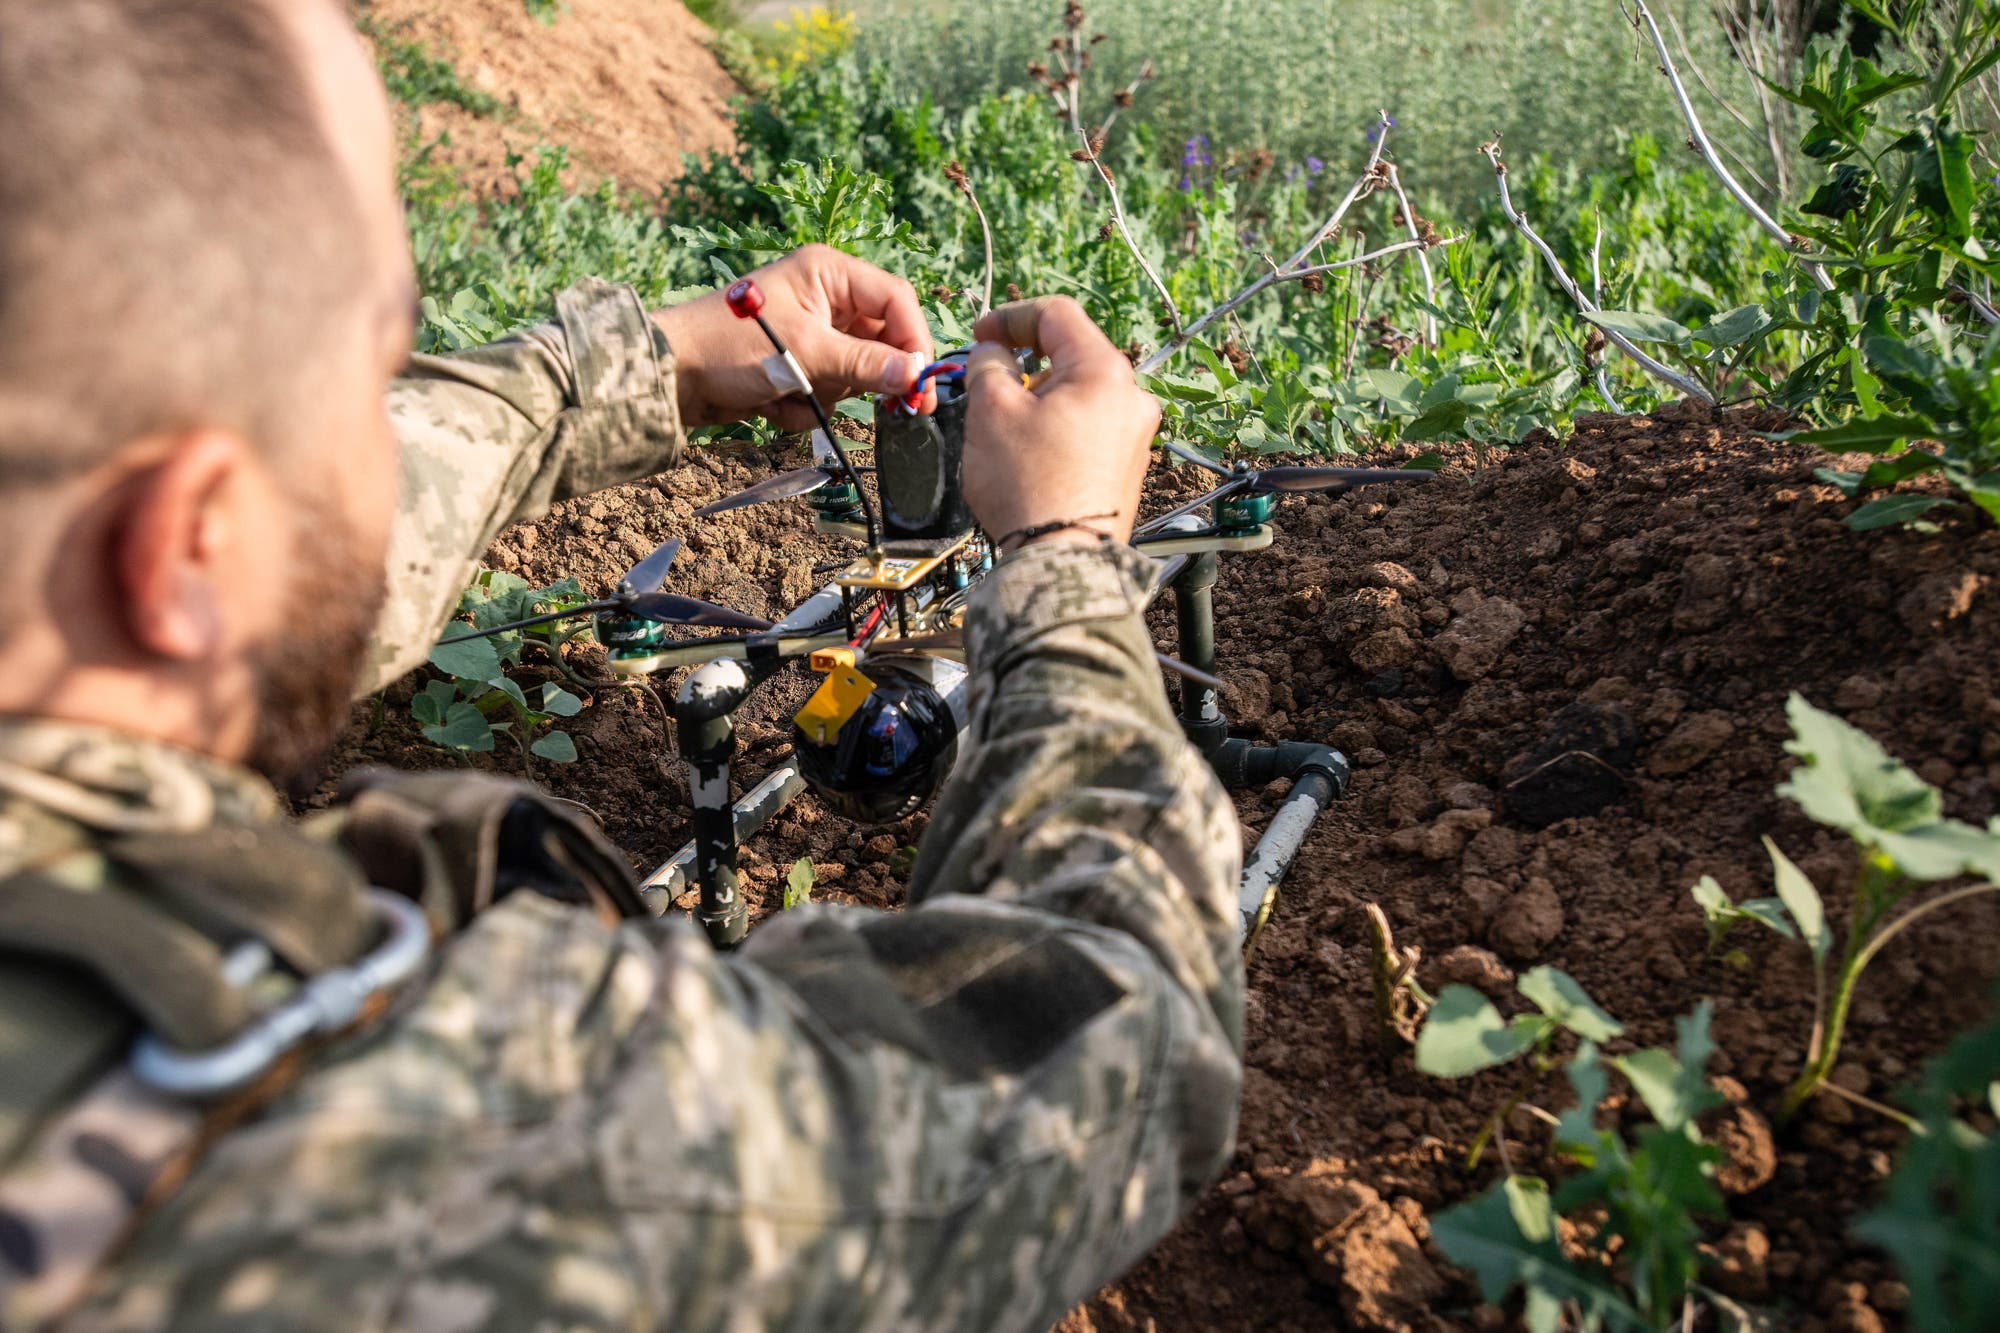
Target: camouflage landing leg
[{"x": 1318, "y": 773}]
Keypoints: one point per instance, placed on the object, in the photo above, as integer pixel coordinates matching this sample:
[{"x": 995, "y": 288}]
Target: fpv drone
[{"x": 880, "y": 734}]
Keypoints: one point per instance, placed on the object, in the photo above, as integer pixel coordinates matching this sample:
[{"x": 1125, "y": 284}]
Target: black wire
[{"x": 819, "y": 415}]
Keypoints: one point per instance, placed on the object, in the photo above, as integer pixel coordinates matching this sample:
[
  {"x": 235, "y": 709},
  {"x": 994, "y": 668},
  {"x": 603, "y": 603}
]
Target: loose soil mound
[
  {"x": 1648, "y": 593},
  {"x": 626, "y": 85}
]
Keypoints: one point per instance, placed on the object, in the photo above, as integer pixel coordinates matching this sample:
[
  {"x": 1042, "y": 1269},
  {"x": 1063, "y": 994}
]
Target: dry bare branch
[
  {"x": 1423, "y": 256},
  {"x": 1370, "y": 180},
  {"x": 1092, "y": 152},
  {"x": 1657, "y": 369},
  {"x": 1709, "y": 155},
  {"x": 957, "y": 175}
]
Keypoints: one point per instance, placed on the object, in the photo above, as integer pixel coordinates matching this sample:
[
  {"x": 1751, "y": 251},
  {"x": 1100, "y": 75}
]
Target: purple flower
[
  {"x": 1375, "y": 130},
  {"x": 1313, "y": 167},
  {"x": 1194, "y": 153}
]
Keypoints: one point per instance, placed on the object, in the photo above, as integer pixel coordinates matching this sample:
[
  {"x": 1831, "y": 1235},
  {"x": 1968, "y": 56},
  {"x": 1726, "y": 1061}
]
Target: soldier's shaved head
[
  {"x": 179, "y": 232},
  {"x": 204, "y": 287}
]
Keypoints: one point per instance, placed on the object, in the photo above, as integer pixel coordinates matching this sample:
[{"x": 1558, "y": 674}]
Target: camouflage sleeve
[
  {"x": 496, "y": 434},
  {"x": 966, "y": 1116}
]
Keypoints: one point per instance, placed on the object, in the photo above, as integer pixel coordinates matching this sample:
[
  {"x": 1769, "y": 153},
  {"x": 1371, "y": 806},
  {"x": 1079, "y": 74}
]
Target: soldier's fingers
[
  {"x": 1058, "y": 328},
  {"x": 993, "y": 381},
  {"x": 875, "y": 303}
]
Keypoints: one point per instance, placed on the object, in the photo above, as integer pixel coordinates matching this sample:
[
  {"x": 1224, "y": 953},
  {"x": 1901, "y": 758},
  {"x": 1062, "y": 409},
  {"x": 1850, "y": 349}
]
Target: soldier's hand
[
  {"x": 1072, "y": 449},
  {"x": 854, "y": 328}
]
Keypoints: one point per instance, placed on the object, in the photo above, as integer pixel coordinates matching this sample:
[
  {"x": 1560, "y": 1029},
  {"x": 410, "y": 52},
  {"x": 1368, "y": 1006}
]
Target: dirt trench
[{"x": 1658, "y": 585}]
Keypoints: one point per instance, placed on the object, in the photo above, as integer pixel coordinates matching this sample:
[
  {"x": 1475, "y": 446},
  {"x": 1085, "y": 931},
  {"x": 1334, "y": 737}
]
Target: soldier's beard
[{"x": 306, "y": 680}]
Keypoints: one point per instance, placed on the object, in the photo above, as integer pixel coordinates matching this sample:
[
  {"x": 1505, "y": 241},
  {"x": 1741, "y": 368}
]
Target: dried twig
[
  {"x": 1091, "y": 143},
  {"x": 956, "y": 174},
  {"x": 1597, "y": 295},
  {"x": 1657, "y": 369},
  {"x": 1423, "y": 257},
  {"x": 1700, "y": 139},
  {"x": 1371, "y": 179}
]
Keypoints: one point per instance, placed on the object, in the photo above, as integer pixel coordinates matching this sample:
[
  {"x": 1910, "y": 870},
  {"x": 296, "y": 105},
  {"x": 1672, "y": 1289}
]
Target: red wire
[{"x": 868, "y": 625}]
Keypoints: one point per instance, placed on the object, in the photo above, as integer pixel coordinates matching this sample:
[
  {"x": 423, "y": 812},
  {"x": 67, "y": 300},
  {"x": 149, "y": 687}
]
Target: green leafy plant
[
  {"x": 1847, "y": 781},
  {"x": 1721, "y": 915},
  {"x": 1614, "y": 1244},
  {"x": 480, "y": 701},
  {"x": 799, "y": 883},
  {"x": 1463, "y": 1033},
  {"x": 1940, "y": 1213}
]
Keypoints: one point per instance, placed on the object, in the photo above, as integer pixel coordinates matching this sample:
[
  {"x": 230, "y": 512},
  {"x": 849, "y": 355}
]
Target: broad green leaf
[
  {"x": 1425, "y": 462},
  {"x": 1676, "y": 1092},
  {"x": 1892, "y": 511},
  {"x": 1732, "y": 328},
  {"x": 1576, "y": 1128},
  {"x": 1802, "y": 901},
  {"x": 799, "y": 883},
  {"x": 1848, "y": 781},
  {"x": 559, "y": 701},
  {"x": 1401, "y": 393},
  {"x": 1944, "y": 850},
  {"x": 556, "y": 747},
  {"x": 475, "y": 659},
  {"x": 433, "y": 701},
  {"x": 512, "y": 690},
  {"x": 1556, "y": 994},
  {"x": 1984, "y": 491},
  {"x": 1847, "y": 483},
  {"x": 464, "y": 728},
  {"x": 1484, "y": 1238},
  {"x": 1446, "y": 419},
  {"x": 1868, "y": 435},
  {"x": 1640, "y": 326},
  {"x": 1464, "y": 1034}
]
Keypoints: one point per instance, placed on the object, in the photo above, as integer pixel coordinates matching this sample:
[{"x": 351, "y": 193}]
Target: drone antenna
[{"x": 746, "y": 301}]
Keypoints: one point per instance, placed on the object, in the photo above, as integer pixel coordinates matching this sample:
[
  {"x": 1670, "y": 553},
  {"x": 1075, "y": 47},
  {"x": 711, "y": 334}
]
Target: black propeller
[
  {"x": 638, "y": 595},
  {"x": 1324, "y": 480},
  {"x": 784, "y": 486},
  {"x": 1284, "y": 481}
]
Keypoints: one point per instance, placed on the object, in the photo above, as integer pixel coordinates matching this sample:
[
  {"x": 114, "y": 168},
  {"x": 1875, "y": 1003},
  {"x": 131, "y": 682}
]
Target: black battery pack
[{"x": 920, "y": 461}]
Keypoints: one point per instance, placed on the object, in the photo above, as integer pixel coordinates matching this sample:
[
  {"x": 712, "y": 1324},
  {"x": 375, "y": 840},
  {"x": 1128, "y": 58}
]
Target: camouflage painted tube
[{"x": 757, "y": 808}]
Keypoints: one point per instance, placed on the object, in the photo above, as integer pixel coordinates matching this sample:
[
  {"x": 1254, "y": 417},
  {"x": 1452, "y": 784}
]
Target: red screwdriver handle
[{"x": 745, "y": 300}]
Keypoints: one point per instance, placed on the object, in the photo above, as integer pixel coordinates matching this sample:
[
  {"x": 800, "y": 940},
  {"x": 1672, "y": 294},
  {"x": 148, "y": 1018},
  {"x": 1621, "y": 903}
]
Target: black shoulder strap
[{"x": 458, "y": 842}]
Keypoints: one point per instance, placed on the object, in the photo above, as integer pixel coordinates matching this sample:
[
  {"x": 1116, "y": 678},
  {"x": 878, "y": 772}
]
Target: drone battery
[{"x": 919, "y": 461}]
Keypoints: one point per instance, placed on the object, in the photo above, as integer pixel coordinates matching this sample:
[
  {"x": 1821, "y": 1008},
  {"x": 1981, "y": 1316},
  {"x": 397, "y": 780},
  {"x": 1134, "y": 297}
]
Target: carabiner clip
[{"x": 321, "y": 1006}]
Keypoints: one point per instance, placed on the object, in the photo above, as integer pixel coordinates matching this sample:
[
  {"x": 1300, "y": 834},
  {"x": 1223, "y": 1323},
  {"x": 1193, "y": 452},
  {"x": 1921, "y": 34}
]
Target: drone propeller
[
  {"x": 784, "y": 486},
  {"x": 638, "y": 595},
  {"x": 673, "y": 609},
  {"x": 953, "y": 641},
  {"x": 1190, "y": 455},
  {"x": 650, "y": 573},
  {"x": 1324, "y": 480}
]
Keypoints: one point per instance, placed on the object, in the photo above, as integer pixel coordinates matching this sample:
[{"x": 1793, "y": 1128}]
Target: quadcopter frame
[{"x": 822, "y": 627}]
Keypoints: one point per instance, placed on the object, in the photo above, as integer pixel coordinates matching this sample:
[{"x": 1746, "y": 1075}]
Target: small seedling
[
  {"x": 1615, "y": 1244},
  {"x": 1849, "y": 782},
  {"x": 799, "y": 883},
  {"x": 1464, "y": 1034},
  {"x": 1720, "y": 914},
  {"x": 481, "y": 701}
]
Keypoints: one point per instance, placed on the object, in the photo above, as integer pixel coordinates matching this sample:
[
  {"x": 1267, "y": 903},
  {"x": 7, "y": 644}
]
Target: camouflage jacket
[{"x": 967, "y": 1115}]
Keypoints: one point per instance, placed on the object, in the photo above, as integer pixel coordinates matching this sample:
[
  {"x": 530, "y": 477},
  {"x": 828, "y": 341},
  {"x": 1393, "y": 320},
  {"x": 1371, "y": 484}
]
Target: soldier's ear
[{"x": 175, "y": 541}]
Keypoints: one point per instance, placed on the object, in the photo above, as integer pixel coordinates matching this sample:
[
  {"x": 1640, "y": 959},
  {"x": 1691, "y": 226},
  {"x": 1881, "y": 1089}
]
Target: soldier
[{"x": 516, "y": 1110}]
